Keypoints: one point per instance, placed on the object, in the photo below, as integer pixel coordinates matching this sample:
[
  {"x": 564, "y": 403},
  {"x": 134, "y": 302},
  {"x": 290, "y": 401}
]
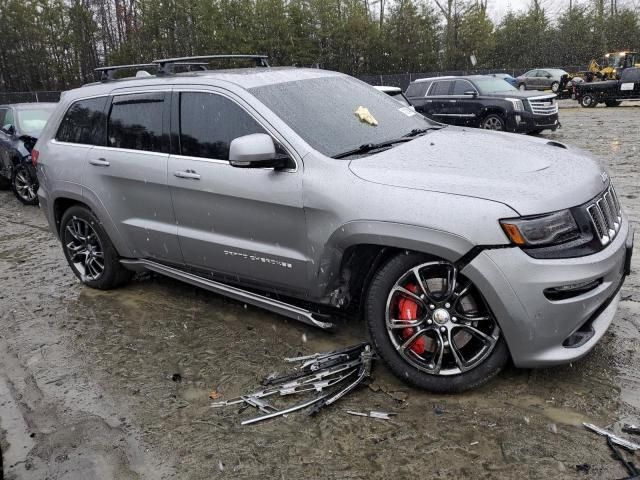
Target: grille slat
[{"x": 606, "y": 216}]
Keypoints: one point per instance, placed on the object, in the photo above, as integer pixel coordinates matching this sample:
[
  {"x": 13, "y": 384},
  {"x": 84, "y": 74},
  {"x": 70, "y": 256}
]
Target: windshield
[
  {"x": 493, "y": 85},
  {"x": 31, "y": 121},
  {"x": 323, "y": 112}
]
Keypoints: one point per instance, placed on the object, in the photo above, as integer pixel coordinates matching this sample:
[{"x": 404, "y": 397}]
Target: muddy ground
[{"x": 87, "y": 384}]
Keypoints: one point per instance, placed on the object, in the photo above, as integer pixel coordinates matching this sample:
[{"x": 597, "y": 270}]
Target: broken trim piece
[{"x": 276, "y": 306}]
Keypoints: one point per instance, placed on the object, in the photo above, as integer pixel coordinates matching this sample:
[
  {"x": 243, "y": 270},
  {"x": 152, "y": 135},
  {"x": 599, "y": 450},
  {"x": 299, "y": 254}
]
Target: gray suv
[{"x": 308, "y": 192}]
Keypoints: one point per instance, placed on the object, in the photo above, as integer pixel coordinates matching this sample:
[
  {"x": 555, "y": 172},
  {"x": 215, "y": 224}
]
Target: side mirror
[
  {"x": 255, "y": 151},
  {"x": 9, "y": 129},
  {"x": 472, "y": 93}
]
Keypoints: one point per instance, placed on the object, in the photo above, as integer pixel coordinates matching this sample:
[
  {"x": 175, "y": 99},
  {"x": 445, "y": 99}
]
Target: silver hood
[{"x": 530, "y": 175}]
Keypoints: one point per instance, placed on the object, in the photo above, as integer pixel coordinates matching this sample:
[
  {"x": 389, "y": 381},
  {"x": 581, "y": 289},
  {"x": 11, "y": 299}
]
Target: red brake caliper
[{"x": 408, "y": 310}]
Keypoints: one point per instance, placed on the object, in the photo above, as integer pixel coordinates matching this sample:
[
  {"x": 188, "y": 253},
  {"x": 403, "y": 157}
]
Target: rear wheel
[
  {"x": 24, "y": 186},
  {"x": 89, "y": 250},
  {"x": 522, "y": 87},
  {"x": 493, "y": 121},
  {"x": 613, "y": 103},
  {"x": 555, "y": 86},
  {"x": 588, "y": 101},
  {"x": 432, "y": 326}
]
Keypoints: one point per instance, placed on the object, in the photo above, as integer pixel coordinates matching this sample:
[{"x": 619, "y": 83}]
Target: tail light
[{"x": 35, "y": 154}]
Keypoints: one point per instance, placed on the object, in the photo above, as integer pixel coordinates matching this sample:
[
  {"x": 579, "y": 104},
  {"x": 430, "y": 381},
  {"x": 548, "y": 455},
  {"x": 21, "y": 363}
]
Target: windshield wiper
[
  {"x": 368, "y": 147},
  {"x": 419, "y": 131}
]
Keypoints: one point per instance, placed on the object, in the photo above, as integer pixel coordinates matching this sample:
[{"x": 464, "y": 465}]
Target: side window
[
  {"x": 135, "y": 122},
  {"x": 84, "y": 122},
  {"x": 461, "y": 86},
  {"x": 440, "y": 89},
  {"x": 532, "y": 74},
  {"x": 418, "y": 89},
  {"x": 631, "y": 75},
  {"x": 208, "y": 124},
  {"x": 8, "y": 118},
  {"x": 3, "y": 112}
]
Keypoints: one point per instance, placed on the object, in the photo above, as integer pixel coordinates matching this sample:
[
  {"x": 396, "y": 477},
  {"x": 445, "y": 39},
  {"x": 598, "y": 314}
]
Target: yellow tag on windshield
[{"x": 364, "y": 115}]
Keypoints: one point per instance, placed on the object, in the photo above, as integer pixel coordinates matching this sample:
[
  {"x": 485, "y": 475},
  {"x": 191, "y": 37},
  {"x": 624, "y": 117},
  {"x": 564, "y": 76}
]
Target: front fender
[{"x": 431, "y": 241}]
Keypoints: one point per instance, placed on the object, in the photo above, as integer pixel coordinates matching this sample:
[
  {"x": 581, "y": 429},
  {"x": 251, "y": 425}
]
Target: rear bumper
[
  {"x": 541, "y": 332},
  {"x": 526, "y": 122}
]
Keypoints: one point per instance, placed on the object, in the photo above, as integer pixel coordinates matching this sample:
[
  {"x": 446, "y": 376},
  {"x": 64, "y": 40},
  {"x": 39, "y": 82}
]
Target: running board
[{"x": 275, "y": 306}]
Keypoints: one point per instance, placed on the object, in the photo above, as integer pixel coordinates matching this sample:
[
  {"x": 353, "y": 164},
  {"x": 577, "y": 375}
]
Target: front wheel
[
  {"x": 89, "y": 250},
  {"x": 24, "y": 186},
  {"x": 588, "y": 101},
  {"x": 493, "y": 122},
  {"x": 432, "y": 326}
]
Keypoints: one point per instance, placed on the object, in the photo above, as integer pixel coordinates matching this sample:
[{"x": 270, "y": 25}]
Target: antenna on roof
[{"x": 166, "y": 65}]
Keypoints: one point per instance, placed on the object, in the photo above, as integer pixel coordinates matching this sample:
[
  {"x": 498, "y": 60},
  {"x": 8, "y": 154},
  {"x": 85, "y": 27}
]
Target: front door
[
  {"x": 244, "y": 224},
  {"x": 128, "y": 175}
]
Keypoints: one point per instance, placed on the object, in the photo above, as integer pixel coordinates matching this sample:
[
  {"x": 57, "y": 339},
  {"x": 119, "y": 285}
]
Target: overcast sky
[{"x": 499, "y": 7}]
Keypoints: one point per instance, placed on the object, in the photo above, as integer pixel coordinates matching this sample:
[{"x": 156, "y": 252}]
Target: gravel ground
[{"x": 87, "y": 384}]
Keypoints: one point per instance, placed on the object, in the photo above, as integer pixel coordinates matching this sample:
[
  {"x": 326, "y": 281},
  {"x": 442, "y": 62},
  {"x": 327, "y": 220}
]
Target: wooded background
[{"x": 56, "y": 44}]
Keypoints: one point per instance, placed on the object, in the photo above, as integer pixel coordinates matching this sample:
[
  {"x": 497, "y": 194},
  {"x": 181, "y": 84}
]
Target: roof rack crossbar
[
  {"x": 165, "y": 65},
  {"x": 108, "y": 72}
]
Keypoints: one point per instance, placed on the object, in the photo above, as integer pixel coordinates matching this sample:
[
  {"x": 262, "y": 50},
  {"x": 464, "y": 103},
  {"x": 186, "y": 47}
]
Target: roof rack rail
[
  {"x": 165, "y": 65},
  {"x": 108, "y": 72}
]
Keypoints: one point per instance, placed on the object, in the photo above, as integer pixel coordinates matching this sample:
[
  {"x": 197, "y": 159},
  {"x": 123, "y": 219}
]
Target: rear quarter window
[
  {"x": 418, "y": 89},
  {"x": 84, "y": 122}
]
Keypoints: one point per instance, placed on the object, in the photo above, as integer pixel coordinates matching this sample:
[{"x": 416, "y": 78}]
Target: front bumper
[
  {"x": 526, "y": 122},
  {"x": 541, "y": 332}
]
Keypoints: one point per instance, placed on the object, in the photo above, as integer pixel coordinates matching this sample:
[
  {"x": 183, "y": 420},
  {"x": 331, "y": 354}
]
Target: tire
[
  {"x": 430, "y": 373},
  {"x": 522, "y": 87},
  {"x": 555, "y": 86},
  {"x": 24, "y": 187},
  {"x": 612, "y": 103},
  {"x": 493, "y": 121},
  {"x": 5, "y": 183},
  {"x": 82, "y": 235},
  {"x": 588, "y": 101}
]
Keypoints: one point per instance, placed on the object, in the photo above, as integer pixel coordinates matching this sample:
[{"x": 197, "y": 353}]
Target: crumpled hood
[{"x": 528, "y": 174}]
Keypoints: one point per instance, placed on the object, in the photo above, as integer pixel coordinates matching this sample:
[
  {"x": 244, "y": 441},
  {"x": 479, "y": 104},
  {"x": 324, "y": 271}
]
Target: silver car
[
  {"x": 541, "y": 79},
  {"x": 308, "y": 192}
]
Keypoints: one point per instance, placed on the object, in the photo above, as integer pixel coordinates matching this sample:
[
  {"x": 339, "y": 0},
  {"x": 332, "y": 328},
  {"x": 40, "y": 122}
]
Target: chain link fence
[
  {"x": 401, "y": 80},
  {"x": 29, "y": 97}
]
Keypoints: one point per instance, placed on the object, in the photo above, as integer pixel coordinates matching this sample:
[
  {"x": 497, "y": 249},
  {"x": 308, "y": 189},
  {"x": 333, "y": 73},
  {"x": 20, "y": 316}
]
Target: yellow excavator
[{"x": 612, "y": 66}]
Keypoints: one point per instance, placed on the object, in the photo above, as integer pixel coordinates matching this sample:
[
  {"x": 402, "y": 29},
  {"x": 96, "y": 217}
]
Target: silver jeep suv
[{"x": 307, "y": 192}]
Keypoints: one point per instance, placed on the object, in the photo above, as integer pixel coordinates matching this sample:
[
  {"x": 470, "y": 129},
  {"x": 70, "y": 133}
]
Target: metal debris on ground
[
  {"x": 330, "y": 375},
  {"x": 613, "y": 437},
  {"x": 632, "y": 429},
  {"x": 372, "y": 414},
  {"x": 634, "y": 473}
]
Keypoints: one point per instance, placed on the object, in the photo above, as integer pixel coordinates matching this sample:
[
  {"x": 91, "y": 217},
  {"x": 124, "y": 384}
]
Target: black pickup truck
[
  {"x": 609, "y": 92},
  {"x": 484, "y": 102}
]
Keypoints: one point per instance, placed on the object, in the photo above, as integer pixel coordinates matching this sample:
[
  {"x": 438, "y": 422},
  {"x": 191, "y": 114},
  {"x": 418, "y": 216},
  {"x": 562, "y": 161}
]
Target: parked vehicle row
[
  {"x": 312, "y": 187},
  {"x": 20, "y": 127}
]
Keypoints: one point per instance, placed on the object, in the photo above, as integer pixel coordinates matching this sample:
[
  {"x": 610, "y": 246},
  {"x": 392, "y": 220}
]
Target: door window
[
  {"x": 208, "y": 124},
  {"x": 6, "y": 116},
  {"x": 3, "y": 112},
  {"x": 84, "y": 122},
  {"x": 440, "y": 89},
  {"x": 135, "y": 122},
  {"x": 418, "y": 89},
  {"x": 461, "y": 86}
]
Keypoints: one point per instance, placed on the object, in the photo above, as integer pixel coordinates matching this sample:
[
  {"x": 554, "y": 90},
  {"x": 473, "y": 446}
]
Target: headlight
[
  {"x": 541, "y": 230},
  {"x": 518, "y": 106}
]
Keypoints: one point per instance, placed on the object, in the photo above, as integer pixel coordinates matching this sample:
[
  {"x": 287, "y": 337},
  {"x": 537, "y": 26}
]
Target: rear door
[
  {"x": 128, "y": 174},
  {"x": 245, "y": 224},
  {"x": 440, "y": 105}
]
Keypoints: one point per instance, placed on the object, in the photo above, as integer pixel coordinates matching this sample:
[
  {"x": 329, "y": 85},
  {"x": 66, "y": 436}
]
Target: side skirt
[{"x": 275, "y": 306}]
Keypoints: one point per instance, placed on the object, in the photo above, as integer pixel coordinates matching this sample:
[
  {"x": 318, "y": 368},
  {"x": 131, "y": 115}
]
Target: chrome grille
[
  {"x": 544, "y": 105},
  {"x": 606, "y": 215}
]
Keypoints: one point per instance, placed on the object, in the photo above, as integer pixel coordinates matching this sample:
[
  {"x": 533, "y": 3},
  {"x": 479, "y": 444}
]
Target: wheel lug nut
[
  {"x": 454, "y": 319},
  {"x": 443, "y": 329},
  {"x": 447, "y": 305},
  {"x": 429, "y": 322},
  {"x": 432, "y": 306},
  {"x": 446, "y": 344}
]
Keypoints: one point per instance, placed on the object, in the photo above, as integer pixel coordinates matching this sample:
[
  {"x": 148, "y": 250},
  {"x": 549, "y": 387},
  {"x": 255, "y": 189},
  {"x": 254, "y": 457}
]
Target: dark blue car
[{"x": 507, "y": 78}]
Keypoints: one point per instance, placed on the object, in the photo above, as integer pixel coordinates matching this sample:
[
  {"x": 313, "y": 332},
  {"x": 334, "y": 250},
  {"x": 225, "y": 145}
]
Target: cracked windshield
[{"x": 312, "y": 239}]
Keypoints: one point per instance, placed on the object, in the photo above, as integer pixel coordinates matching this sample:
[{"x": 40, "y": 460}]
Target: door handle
[
  {"x": 187, "y": 174},
  {"x": 99, "y": 162}
]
